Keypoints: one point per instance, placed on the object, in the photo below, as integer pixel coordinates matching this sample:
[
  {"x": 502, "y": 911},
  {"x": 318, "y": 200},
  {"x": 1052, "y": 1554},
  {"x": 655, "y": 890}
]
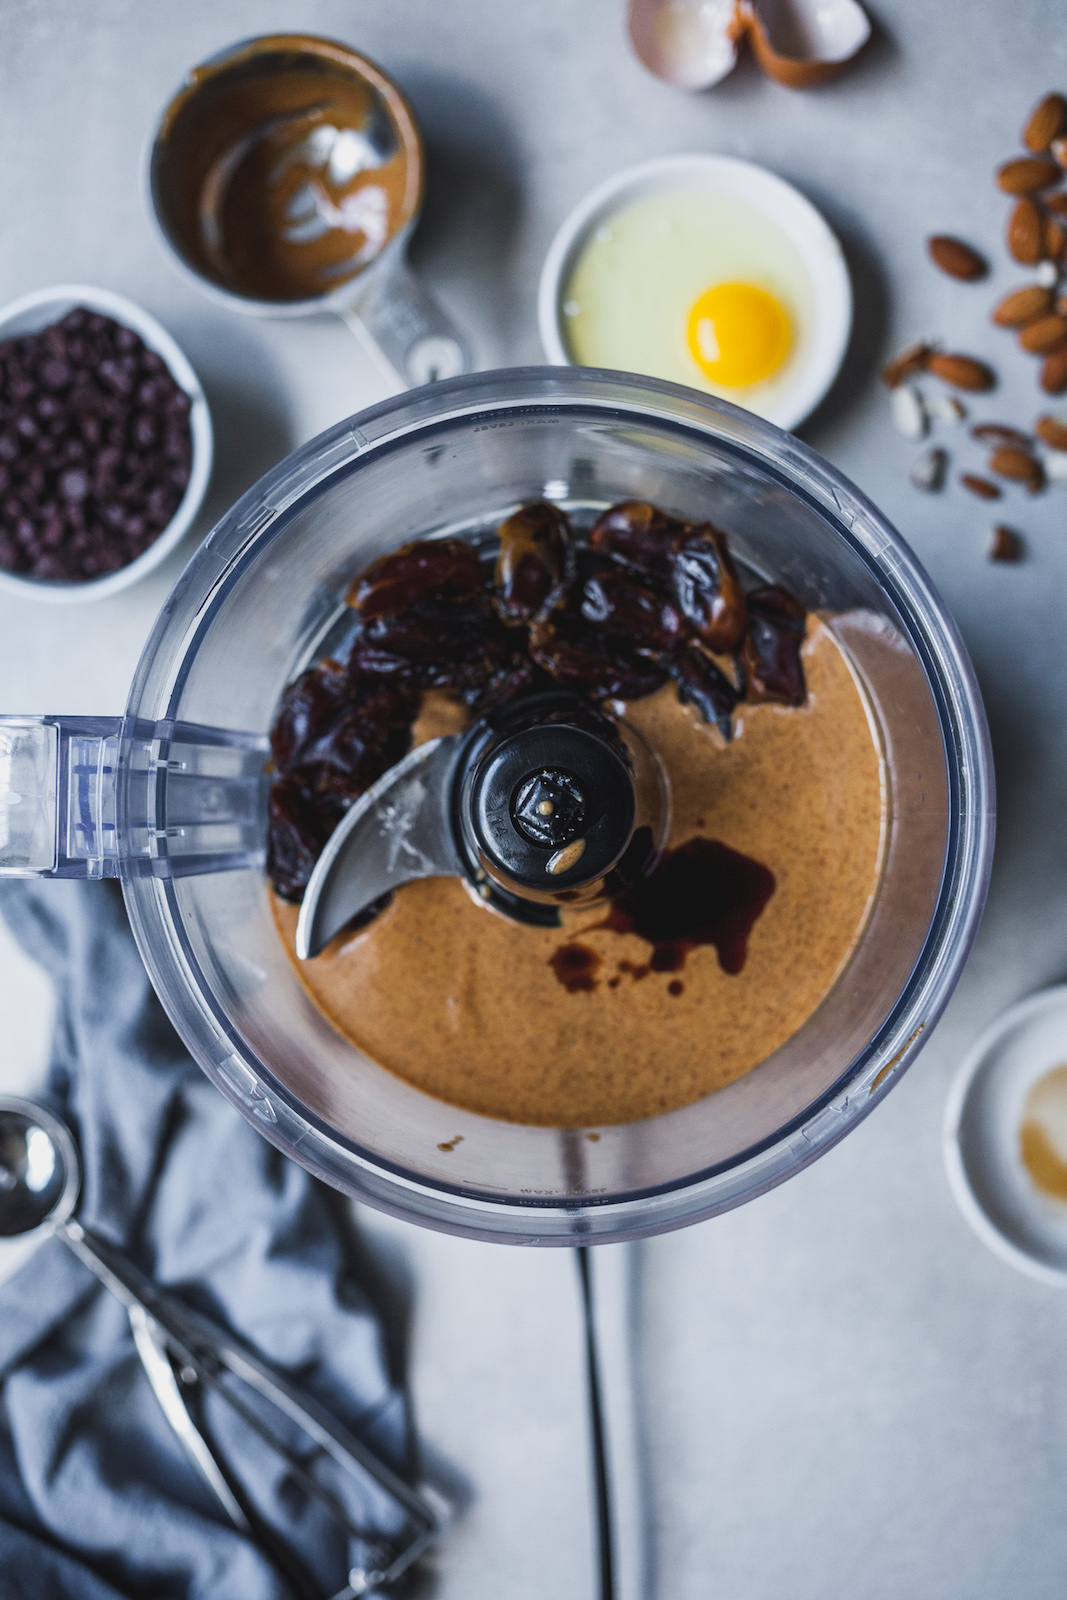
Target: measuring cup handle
[
  {"x": 100, "y": 797},
  {"x": 407, "y": 331}
]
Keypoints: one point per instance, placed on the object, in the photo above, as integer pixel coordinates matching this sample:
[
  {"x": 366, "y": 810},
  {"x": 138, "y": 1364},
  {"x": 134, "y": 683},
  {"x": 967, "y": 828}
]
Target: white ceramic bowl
[
  {"x": 35, "y": 311},
  {"x": 981, "y": 1136},
  {"x": 809, "y": 234}
]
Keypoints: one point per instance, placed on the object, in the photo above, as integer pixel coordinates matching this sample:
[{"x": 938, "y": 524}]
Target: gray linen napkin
[{"x": 97, "y": 1498}]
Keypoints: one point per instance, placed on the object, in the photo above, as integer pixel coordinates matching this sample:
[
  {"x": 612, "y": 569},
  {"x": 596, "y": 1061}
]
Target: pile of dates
[{"x": 645, "y": 599}]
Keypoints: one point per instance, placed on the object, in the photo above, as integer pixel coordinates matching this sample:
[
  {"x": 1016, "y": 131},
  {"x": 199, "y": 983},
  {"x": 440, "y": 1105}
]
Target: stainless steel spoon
[{"x": 184, "y": 1353}]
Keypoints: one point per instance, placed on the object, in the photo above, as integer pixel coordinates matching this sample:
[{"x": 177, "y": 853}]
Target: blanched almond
[
  {"x": 1026, "y": 233},
  {"x": 1052, "y": 432},
  {"x": 980, "y": 486},
  {"x": 1044, "y": 335},
  {"x": 1027, "y": 175},
  {"x": 1054, "y": 372},
  {"x": 1022, "y": 306},
  {"x": 956, "y": 258},
  {"x": 962, "y": 372},
  {"x": 1047, "y": 120}
]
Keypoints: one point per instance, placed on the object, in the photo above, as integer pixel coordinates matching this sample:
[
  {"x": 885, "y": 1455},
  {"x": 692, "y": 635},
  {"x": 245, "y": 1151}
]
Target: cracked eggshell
[
  {"x": 689, "y": 43},
  {"x": 693, "y": 44},
  {"x": 800, "y": 43}
]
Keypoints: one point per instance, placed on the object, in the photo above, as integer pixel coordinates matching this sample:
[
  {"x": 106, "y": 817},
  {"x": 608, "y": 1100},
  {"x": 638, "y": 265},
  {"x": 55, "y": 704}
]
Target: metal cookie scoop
[
  {"x": 184, "y": 1353},
  {"x": 543, "y": 803}
]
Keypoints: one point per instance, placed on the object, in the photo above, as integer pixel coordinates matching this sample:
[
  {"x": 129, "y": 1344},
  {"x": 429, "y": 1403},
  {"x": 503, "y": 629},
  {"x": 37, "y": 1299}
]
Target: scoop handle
[
  {"x": 405, "y": 330},
  {"x": 105, "y": 797}
]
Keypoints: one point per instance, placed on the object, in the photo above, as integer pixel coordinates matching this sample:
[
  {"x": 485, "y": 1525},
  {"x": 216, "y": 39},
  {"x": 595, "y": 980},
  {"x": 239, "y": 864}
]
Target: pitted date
[
  {"x": 340, "y": 735},
  {"x": 441, "y": 568},
  {"x": 534, "y": 566},
  {"x": 581, "y": 657},
  {"x": 519, "y": 676},
  {"x": 707, "y": 589},
  {"x": 770, "y": 655},
  {"x": 626, "y": 609},
  {"x": 639, "y": 534},
  {"x": 436, "y": 645},
  {"x": 701, "y": 684},
  {"x": 299, "y": 825}
]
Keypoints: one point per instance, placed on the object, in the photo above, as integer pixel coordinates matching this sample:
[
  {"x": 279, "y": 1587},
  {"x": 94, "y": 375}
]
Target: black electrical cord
[{"x": 596, "y": 1419}]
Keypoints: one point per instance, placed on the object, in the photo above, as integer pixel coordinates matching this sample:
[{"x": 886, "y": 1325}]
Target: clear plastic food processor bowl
[{"x": 171, "y": 798}]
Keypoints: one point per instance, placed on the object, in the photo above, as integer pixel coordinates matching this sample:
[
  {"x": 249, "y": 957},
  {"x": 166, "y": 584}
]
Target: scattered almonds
[
  {"x": 909, "y": 413},
  {"x": 1044, "y": 335},
  {"x": 1051, "y": 431},
  {"x": 1047, "y": 120},
  {"x": 956, "y": 258},
  {"x": 906, "y": 364},
  {"x": 928, "y": 473},
  {"x": 1059, "y": 151},
  {"x": 996, "y": 433},
  {"x": 1022, "y": 306},
  {"x": 1005, "y": 545},
  {"x": 962, "y": 372},
  {"x": 1054, "y": 372},
  {"x": 1019, "y": 465},
  {"x": 1056, "y": 202},
  {"x": 1055, "y": 238},
  {"x": 980, "y": 486},
  {"x": 1026, "y": 233}
]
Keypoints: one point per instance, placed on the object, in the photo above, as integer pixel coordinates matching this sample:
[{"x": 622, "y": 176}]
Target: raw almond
[
  {"x": 1056, "y": 202},
  {"x": 1052, "y": 432},
  {"x": 1059, "y": 151},
  {"x": 1027, "y": 175},
  {"x": 956, "y": 258},
  {"x": 998, "y": 433},
  {"x": 980, "y": 486},
  {"x": 1047, "y": 120},
  {"x": 1044, "y": 335},
  {"x": 1053, "y": 239},
  {"x": 1005, "y": 544},
  {"x": 1054, "y": 372},
  {"x": 1007, "y": 462},
  {"x": 1026, "y": 233},
  {"x": 962, "y": 372},
  {"x": 906, "y": 364},
  {"x": 1022, "y": 306}
]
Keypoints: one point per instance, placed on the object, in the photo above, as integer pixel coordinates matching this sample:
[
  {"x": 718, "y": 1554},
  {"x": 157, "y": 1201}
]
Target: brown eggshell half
[{"x": 800, "y": 43}]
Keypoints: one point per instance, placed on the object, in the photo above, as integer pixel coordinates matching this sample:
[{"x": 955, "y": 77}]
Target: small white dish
[
  {"x": 788, "y": 401},
  {"x": 983, "y": 1117},
  {"x": 38, "y": 310}
]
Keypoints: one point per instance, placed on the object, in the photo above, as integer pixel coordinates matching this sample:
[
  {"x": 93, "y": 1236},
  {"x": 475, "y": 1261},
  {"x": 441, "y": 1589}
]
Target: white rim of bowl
[
  {"x": 806, "y": 227},
  {"x": 56, "y": 302},
  {"x": 974, "y": 1213}
]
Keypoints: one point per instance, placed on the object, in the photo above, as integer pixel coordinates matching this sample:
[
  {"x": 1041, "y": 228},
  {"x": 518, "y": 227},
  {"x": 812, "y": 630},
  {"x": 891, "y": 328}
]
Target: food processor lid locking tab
[{"x": 534, "y": 806}]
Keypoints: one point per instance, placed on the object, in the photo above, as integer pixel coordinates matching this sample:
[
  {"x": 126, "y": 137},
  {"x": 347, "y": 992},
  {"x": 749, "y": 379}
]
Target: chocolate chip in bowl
[{"x": 105, "y": 444}]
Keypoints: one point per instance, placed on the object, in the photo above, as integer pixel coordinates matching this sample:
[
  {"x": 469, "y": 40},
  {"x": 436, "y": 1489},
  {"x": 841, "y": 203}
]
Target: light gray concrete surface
[{"x": 843, "y": 1393}]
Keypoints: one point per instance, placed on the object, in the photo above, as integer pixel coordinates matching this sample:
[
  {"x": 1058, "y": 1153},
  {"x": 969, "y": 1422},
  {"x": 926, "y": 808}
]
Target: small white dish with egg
[
  {"x": 703, "y": 270},
  {"x": 1005, "y": 1136}
]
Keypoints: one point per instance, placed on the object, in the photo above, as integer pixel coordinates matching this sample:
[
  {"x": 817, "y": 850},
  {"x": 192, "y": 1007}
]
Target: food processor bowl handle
[
  {"x": 105, "y": 797},
  {"x": 404, "y": 328}
]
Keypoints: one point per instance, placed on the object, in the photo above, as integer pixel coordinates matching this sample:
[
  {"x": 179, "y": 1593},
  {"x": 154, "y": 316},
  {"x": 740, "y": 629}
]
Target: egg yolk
[{"x": 738, "y": 334}]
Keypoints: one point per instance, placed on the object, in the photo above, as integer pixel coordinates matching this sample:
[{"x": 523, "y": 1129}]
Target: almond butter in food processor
[{"x": 653, "y": 986}]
